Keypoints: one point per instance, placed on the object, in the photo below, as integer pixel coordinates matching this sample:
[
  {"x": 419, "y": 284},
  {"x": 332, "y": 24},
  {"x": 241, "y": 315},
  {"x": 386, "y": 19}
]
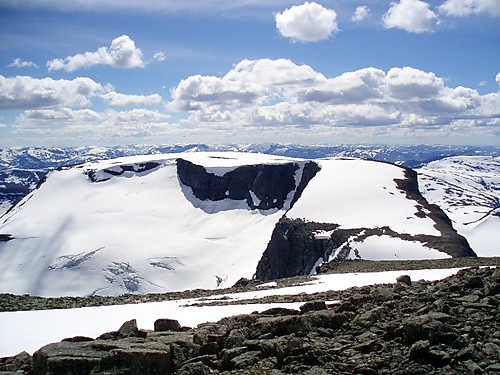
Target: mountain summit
[{"x": 203, "y": 220}]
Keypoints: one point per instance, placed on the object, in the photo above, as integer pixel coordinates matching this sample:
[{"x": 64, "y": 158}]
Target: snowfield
[
  {"x": 360, "y": 193},
  {"x": 30, "y": 330},
  {"x": 467, "y": 188}
]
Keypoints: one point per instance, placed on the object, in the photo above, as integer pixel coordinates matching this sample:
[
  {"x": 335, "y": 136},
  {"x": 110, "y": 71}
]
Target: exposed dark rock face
[
  {"x": 293, "y": 249},
  {"x": 445, "y": 327},
  {"x": 270, "y": 184},
  {"x": 106, "y": 174},
  {"x": 6, "y": 237},
  {"x": 450, "y": 242}
]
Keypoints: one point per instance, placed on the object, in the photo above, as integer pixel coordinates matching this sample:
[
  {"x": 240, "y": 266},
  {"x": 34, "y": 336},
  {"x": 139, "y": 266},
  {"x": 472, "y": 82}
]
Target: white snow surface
[
  {"x": 359, "y": 193},
  {"x": 30, "y": 330},
  {"x": 388, "y": 248},
  {"x": 467, "y": 188},
  {"x": 143, "y": 232}
]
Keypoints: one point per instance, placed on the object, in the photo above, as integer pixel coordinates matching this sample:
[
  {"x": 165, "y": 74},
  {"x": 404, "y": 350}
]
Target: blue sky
[{"x": 108, "y": 72}]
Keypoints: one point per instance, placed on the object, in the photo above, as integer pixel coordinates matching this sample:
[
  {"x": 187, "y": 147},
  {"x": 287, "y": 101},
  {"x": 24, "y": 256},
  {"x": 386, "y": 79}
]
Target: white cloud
[
  {"x": 309, "y": 22},
  {"x": 414, "y": 16},
  {"x": 463, "y": 8},
  {"x": 116, "y": 99},
  {"x": 159, "y": 56},
  {"x": 24, "y": 92},
  {"x": 361, "y": 13},
  {"x": 497, "y": 78},
  {"x": 18, "y": 63},
  {"x": 39, "y": 116},
  {"x": 122, "y": 54},
  {"x": 85, "y": 126},
  {"x": 276, "y": 93},
  {"x": 136, "y": 115},
  {"x": 410, "y": 83},
  {"x": 243, "y": 85}
]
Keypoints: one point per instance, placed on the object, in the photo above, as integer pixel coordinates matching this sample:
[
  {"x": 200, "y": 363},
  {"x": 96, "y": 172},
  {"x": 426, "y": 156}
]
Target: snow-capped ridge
[{"x": 153, "y": 223}]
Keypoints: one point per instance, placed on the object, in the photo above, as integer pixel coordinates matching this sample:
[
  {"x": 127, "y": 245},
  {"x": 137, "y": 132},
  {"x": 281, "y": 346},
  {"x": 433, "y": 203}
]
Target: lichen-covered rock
[
  {"x": 164, "y": 324},
  {"x": 422, "y": 329}
]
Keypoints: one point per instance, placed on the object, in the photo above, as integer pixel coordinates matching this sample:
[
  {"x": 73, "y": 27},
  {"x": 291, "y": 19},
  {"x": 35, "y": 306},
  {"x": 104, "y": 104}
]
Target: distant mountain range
[
  {"x": 21, "y": 169},
  {"x": 186, "y": 220}
]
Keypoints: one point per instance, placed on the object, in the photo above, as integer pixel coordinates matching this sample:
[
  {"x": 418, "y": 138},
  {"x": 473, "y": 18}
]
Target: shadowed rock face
[
  {"x": 293, "y": 250},
  {"x": 263, "y": 186}
]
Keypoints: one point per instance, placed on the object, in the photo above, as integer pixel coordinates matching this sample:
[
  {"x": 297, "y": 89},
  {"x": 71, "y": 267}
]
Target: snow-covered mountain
[
  {"x": 200, "y": 220},
  {"x": 21, "y": 169},
  {"x": 467, "y": 188}
]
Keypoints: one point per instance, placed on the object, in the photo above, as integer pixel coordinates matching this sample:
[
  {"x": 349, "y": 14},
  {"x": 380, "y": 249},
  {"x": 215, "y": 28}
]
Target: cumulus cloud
[
  {"x": 23, "y": 92},
  {"x": 361, "y": 13},
  {"x": 275, "y": 93},
  {"x": 18, "y": 63},
  {"x": 116, "y": 99},
  {"x": 414, "y": 16},
  {"x": 497, "y": 78},
  {"x": 122, "y": 53},
  {"x": 309, "y": 22},
  {"x": 242, "y": 85},
  {"x": 463, "y": 8}
]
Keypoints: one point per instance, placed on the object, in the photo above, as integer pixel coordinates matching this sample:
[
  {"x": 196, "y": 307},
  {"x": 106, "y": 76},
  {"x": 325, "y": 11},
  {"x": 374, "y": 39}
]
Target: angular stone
[
  {"x": 419, "y": 350},
  {"x": 472, "y": 367},
  {"x": 22, "y": 361},
  {"x": 473, "y": 282},
  {"x": 313, "y": 306},
  {"x": 209, "y": 348},
  {"x": 136, "y": 361},
  {"x": 279, "y": 311},
  {"x": 405, "y": 279},
  {"x": 129, "y": 329},
  {"x": 245, "y": 359},
  {"x": 66, "y": 358},
  {"x": 162, "y": 325}
]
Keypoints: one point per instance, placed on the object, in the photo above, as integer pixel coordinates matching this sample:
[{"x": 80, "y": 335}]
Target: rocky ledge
[{"x": 445, "y": 327}]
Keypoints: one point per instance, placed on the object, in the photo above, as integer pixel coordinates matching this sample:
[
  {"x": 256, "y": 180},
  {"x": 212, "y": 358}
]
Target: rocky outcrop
[
  {"x": 295, "y": 247},
  {"x": 444, "y": 327},
  {"x": 449, "y": 242},
  {"x": 262, "y": 186},
  {"x": 119, "y": 170}
]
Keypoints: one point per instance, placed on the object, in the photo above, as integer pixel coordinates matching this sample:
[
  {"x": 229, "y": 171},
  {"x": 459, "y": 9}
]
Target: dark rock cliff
[
  {"x": 449, "y": 242},
  {"x": 293, "y": 250},
  {"x": 270, "y": 184}
]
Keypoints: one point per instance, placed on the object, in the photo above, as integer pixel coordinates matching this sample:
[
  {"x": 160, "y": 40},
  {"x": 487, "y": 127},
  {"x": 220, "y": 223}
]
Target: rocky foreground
[{"x": 450, "y": 326}]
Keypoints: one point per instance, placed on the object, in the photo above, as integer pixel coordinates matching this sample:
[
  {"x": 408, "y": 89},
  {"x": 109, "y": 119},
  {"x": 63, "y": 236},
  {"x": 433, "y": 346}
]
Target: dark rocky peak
[{"x": 261, "y": 186}]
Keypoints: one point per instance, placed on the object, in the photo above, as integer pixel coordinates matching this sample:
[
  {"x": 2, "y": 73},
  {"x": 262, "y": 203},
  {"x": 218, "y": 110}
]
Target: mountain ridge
[{"x": 127, "y": 225}]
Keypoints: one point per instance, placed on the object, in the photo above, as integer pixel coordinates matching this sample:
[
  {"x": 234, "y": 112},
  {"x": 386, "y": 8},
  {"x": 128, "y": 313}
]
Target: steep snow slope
[
  {"x": 467, "y": 188},
  {"x": 153, "y": 223}
]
